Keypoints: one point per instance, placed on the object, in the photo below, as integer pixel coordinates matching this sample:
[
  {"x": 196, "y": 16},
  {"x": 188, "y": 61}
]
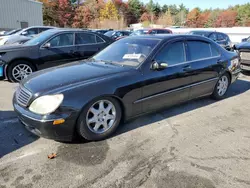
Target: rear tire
[
  {"x": 19, "y": 70},
  {"x": 221, "y": 87},
  {"x": 99, "y": 119}
]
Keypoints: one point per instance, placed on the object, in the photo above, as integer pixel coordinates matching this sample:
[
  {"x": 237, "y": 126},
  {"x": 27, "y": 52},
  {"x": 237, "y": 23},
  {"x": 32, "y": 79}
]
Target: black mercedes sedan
[
  {"x": 133, "y": 76},
  {"x": 50, "y": 48},
  {"x": 243, "y": 49}
]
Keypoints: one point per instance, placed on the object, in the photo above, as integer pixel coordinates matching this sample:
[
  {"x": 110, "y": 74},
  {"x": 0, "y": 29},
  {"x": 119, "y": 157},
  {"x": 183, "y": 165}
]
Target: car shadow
[
  {"x": 13, "y": 134},
  {"x": 237, "y": 88}
]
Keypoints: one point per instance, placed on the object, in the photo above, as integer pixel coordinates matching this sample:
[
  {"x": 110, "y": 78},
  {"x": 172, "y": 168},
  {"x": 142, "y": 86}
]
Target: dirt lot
[{"x": 203, "y": 143}]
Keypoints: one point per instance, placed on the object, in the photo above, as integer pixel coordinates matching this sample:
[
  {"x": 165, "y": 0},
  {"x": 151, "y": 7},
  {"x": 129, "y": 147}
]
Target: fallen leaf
[{"x": 52, "y": 156}]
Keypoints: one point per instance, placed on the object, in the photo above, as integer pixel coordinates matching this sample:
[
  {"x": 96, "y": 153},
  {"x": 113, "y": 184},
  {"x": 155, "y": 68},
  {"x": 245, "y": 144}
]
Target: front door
[
  {"x": 168, "y": 86},
  {"x": 60, "y": 51}
]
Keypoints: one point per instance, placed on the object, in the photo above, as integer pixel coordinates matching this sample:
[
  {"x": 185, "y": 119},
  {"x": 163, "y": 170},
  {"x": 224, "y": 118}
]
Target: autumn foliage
[{"x": 119, "y": 14}]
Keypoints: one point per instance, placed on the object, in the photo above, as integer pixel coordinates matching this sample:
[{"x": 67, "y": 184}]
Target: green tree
[
  {"x": 135, "y": 10},
  {"x": 243, "y": 17}
]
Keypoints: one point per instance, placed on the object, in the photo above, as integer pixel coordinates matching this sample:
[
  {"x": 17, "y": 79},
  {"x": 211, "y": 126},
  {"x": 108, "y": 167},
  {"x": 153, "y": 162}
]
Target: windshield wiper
[{"x": 109, "y": 62}]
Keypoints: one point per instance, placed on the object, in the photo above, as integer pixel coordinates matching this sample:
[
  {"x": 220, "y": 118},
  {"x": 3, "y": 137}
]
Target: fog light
[{"x": 58, "y": 121}]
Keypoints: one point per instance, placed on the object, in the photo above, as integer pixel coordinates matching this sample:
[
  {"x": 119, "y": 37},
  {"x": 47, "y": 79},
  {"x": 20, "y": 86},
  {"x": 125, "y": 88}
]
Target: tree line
[{"x": 120, "y": 14}]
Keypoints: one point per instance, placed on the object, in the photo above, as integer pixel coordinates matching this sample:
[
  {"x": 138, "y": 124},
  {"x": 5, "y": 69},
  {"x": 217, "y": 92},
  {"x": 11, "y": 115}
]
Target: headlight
[{"x": 46, "y": 104}]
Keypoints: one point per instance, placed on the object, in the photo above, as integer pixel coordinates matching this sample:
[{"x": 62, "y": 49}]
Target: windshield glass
[
  {"x": 39, "y": 38},
  {"x": 128, "y": 51},
  {"x": 248, "y": 39},
  {"x": 12, "y": 32},
  {"x": 201, "y": 33},
  {"x": 139, "y": 32},
  {"x": 110, "y": 33}
]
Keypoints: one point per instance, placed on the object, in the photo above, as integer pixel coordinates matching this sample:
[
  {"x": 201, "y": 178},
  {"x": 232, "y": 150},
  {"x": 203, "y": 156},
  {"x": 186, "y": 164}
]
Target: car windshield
[
  {"x": 201, "y": 33},
  {"x": 128, "y": 51},
  {"x": 12, "y": 32},
  {"x": 39, "y": 38},
  {"x": 109, "y": 33},
  {"x": 248, "y": 39},
  {"x": 139, "y": 32}
]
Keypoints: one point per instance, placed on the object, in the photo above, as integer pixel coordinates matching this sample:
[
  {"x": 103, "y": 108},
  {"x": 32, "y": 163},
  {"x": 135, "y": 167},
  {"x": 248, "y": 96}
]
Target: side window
[
  {"x": 43, "y": 29},
  {"x": 220, "y": 37},
  {"x": 198, "y": 50},
  {"x": 85, "y": 38},
  {"x": 172, "y": 54},
  {"x": 213, "y": 37},
  {"x": 99, "y": 39},
  {"x": 65, "y": 39},
  {"x": 153, "y": 32},
  {"x": 33, "y": 31},
  {"x": 214, "y": 51},
  {"x": 160, "y": 31}
]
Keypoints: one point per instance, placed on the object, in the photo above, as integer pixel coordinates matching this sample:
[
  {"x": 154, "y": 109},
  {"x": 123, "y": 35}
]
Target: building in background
[{"x": 20, "y": 14}]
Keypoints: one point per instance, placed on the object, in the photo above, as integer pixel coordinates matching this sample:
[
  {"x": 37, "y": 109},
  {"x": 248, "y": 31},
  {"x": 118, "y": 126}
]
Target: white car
[{"x": 23, "y": 35}]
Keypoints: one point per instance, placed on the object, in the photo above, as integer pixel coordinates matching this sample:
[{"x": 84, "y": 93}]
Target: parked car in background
[
  {"x": 102, "y": 31},
  {"x": 131, "y": 77},
  {"x": 221, "y": 38},
  {"x": 151, "y": 31},
  {"x": 243, "y": 49},
  {"x": 6, "y": 33},
  {"x": 51, "y": 48},
  {"x": 117, "y": 34},
  {"x": 23, "y": 35}
]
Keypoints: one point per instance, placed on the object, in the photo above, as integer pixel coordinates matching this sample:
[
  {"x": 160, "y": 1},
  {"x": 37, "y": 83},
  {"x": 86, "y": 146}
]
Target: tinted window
[
  {"x": 214, "y": 51},
  {"x": 65, "y": 39},
  {"x": 220, "y": 37},
  {"x": 162, "y": 31},
  {"x": 198, "y": 50},
  {"x": 43, "y": 29},
  {"x": 153, "y": 32},
  {"x": 33, "y": 31},
  {"x": 213, "y": 37},
  {"x": 85, "y": 38},
  {"x": 99, "y": 39},
  {"x": 172, "y": 54}
]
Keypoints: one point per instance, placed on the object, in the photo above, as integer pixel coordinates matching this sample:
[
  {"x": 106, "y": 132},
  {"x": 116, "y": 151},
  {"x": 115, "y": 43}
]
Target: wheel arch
[{"x": 18, "y": 59}]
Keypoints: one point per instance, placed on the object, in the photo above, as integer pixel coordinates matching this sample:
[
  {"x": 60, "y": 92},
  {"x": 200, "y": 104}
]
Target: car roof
[{"x": 170, "y": 36}]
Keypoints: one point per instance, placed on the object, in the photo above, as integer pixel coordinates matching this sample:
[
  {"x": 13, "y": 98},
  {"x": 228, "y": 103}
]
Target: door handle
[
  {"x": 186, "y": 68},
  {"x": 219, "y": 61}
]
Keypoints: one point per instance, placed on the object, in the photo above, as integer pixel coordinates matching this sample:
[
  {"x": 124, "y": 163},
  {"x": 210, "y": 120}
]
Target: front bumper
[{"x": 43, "y": 125}]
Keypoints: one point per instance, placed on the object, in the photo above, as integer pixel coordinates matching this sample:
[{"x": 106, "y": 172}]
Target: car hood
[
  {"x": 67, "y": 75},
  {"x": 243, "y": 45},
  {"x": 6, "y": 48}
]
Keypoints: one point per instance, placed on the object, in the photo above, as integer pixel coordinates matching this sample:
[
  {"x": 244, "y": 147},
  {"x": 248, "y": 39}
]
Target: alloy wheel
[
  {"x": 21, "y": 71},
  {"x": 101, "y": 116},
  {"x": 222, "y": 85}
]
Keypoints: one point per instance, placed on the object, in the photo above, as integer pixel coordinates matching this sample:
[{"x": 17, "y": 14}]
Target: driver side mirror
[
  {"x": 24, "y": 33},
  {"x": 47, "y": 45},
  {"x": 159, "y": 66}
]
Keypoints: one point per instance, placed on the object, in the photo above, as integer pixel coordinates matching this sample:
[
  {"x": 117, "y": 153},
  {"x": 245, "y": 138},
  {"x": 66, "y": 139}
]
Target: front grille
[
  {"x": 245, "y": 55},
  {"x": 23, "y": 96}
]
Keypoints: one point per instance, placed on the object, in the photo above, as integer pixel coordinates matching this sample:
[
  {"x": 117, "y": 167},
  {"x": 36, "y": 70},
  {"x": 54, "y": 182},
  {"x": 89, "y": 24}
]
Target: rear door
[
  {"x": 204, "y": 58},
  {"x": 88, "y": 44},
  {"x": 61, "y": 50},
  {"x": 171, "y": 85}
]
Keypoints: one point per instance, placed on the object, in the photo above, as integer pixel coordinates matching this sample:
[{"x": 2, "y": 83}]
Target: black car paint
[
  {"x": 139, "y": 90},
  {"x": 42, "y": 57}
]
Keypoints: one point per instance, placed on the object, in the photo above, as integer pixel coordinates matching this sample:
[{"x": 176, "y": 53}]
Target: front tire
[
  {"x": 19, "y": 70},
  {"x": 221, "y": 87},
  {"x": 99, "y": 119}
]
